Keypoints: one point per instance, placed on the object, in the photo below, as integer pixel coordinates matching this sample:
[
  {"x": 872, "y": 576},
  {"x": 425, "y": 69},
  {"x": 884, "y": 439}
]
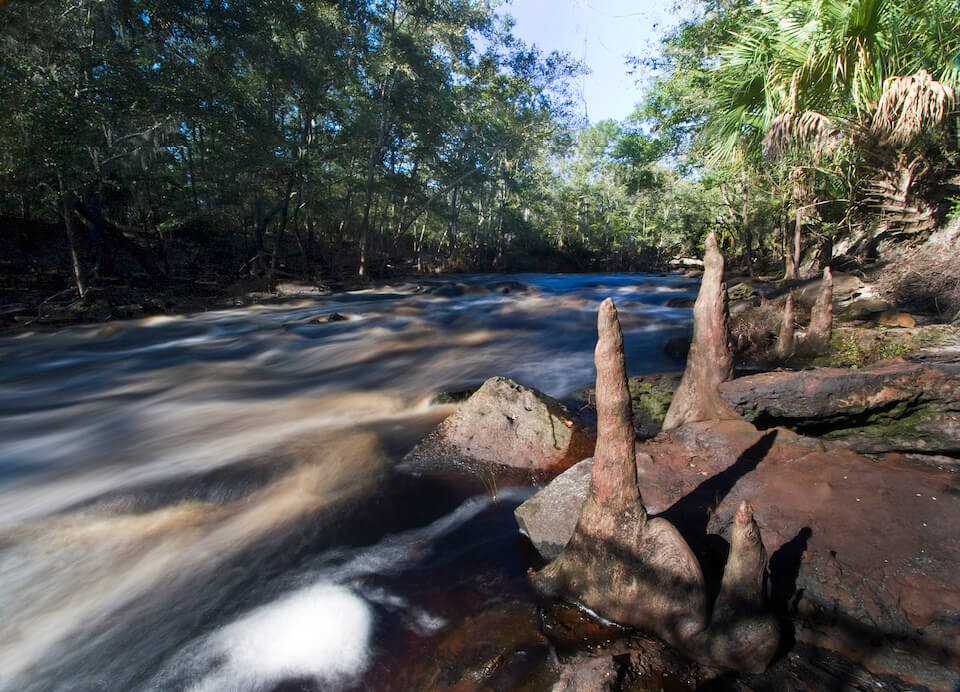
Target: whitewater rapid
[{"x": 212, "y": 502}]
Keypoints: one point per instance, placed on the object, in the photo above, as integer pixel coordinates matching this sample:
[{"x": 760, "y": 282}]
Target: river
[{"x": 214, "y": 502}]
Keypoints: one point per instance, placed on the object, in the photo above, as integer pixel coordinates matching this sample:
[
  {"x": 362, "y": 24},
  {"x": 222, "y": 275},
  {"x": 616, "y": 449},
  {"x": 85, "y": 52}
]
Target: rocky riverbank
[{"x": 791, "y": 529}]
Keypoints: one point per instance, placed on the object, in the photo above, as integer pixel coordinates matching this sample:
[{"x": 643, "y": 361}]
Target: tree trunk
[
  {"x": 796, "y": 242},
  {"x": 791, "y": 256},
  {"x": 69, "y": 206}
]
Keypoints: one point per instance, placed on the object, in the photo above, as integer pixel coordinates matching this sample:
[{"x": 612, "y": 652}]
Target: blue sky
[{"x": 601, "y": 34}]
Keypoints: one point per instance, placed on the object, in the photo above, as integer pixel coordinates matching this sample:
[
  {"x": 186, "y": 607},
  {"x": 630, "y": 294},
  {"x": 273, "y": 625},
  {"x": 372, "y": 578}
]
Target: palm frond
[
  {"x": 807, "y": 129},
  {"x": 912, "y": 105}
]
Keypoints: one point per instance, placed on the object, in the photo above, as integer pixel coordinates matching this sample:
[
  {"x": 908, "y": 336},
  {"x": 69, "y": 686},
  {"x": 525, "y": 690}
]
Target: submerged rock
[
  {"x": 508, "y": 424},
  {"x": 677, "y": 347},
  {"x": 501, "y": 648},
  {"x": 896, "y": 406}
]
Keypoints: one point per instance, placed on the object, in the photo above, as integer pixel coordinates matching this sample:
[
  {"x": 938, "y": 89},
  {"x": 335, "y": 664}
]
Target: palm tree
[{"x": 867, "y": 89}]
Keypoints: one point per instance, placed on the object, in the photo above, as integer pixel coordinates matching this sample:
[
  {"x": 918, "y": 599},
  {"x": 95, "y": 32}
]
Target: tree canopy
[{"x": 359, "y": 138}]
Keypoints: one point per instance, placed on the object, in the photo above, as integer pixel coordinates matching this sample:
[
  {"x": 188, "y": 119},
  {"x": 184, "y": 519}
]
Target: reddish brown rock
[
  {"x": 821, "y": 315},
  {"x": 864, "y": 554},
  {"x": 785, "y": 338},
  {"x": 710, "y": 360},
  {"x": 508, "y": 424},
  {"x": 893, "y": 406},
  {"x": 639, "y": 571}
]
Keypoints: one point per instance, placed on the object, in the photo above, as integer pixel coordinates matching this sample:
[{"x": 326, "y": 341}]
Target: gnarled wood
[
  {"x": 639, "y": 571},
  {"x": 710, "y": 361},
  {"x": 821, "y": 315},
  {"x": 619, "y": 563},
  {"x": 785, "y": 339}
]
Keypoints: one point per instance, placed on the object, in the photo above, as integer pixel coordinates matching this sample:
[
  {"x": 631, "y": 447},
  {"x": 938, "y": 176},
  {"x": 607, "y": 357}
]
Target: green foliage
[
  {"x": 356, "y": 137},
  {"x": 857, "y": 348},
  {"x": 326, "y": 137},
  {"x": 836, "y": 111}
]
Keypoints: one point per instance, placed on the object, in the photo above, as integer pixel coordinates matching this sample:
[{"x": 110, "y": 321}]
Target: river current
[{"x": 214, "y": 502}]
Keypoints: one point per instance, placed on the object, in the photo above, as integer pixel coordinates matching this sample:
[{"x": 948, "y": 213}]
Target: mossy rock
[
  {"x": 858, "y": 347},
  {"x": 650, "y": 396},
  {"x": 741, "y": 291}
]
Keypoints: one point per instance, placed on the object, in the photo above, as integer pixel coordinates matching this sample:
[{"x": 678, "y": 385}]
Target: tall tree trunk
[
  {"x": 69, "y": 206},
  {"x": 278, "y": 242},
  {"x": 376, "y": 151},
  {"x": 798, "y": 229},
  {"x": 747, "y": 233},
  {"x": 791, "y": 251}
]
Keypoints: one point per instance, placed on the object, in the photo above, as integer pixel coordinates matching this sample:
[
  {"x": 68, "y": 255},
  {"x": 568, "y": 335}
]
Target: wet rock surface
[
  {"x": 862, "y": 557},
  {"x": 508, "y": 424},
  {"x": 501, "y": 648},
  {"x": 549, "y": 517},
  {"x": 899, "y": 406}
]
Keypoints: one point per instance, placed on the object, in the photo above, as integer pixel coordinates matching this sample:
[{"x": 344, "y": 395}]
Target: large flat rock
[
  {"x": 894, "y": 406},
  {"x": 865, "y": 553},
  {"x": 508, "y": 424}
]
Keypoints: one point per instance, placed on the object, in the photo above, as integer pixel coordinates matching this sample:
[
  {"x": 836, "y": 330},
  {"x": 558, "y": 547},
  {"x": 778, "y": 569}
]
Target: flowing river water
[{"x": 214, "y": 501}]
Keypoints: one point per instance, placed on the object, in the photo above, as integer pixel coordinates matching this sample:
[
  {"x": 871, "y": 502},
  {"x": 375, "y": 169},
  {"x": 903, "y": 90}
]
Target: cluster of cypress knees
[{"x": 639, "y": 571}]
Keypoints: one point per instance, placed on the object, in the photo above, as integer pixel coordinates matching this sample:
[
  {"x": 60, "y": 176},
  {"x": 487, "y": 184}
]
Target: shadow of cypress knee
[
  {"x": 691, "y": 513},
  {"x": 784, "y": 570}
]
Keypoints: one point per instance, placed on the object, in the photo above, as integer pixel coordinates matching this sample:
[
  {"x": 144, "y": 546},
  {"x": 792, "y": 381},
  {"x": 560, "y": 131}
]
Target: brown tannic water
[{"x": 214, "y": 501}]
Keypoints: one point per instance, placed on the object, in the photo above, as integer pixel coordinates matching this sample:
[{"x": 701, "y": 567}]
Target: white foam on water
[
  {"x": 400, "y": 550},
  {"x": 322, "y": 629},
  {"x": 417, "y": 619},
  {"x": 321, "y": 632}
]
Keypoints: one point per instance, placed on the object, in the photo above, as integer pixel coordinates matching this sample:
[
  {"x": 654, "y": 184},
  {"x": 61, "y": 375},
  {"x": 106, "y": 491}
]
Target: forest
[
  {"x": 184, "y": 146},
  {"x": 341, "y": 349}
]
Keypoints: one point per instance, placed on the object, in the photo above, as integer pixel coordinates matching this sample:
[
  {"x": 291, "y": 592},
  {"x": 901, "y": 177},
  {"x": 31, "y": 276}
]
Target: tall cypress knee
[
  {"x": 785, "y": 340},
  {"x": 710, "y": 361},
  {"x": 821, "y": 315},
  {"x": 619, "y": 563}
]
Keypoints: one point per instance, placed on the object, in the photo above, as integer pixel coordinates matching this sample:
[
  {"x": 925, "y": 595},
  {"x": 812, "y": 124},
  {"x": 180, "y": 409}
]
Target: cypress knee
[{"x": 710, "y": 361}]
